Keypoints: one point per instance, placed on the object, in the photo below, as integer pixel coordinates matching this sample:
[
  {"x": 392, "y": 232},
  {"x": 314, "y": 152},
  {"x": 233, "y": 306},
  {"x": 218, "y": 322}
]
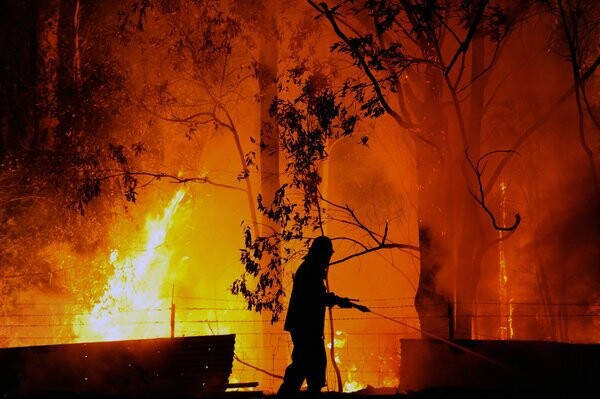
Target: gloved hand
[
  {"x": 347, "y": 303},
  {"x": 344, "y": 302}
]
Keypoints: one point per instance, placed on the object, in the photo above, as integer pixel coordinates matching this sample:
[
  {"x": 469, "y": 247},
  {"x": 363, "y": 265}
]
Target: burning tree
[{"x": 353, "y": 118}]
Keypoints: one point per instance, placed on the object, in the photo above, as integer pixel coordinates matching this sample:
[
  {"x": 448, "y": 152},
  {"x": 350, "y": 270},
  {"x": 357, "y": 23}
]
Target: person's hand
[
  {"x": 347, "y": 303},
  {"x": 344, "y": 303}
]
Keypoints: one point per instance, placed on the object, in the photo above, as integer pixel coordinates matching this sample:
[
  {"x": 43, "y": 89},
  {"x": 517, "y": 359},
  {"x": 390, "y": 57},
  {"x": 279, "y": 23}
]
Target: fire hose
[{"x": 349, "y": 302}]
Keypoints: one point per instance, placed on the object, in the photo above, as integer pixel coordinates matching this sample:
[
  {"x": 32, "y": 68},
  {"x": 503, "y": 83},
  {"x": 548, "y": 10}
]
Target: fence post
[
  {"x": 450, "y": 320},
  {"x": 173, "y": 311}
]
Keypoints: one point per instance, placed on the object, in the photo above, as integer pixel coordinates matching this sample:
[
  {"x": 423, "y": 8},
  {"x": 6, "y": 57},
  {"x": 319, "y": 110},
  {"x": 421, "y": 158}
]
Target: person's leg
[
  {"x": 315, "y": 376},
  {"x": 292, "y": 380},
  {"x": 296, "y": 371}
]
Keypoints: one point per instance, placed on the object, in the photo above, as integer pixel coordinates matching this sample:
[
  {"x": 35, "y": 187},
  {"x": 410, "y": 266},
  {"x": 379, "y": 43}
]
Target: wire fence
[
  {"x": 367, "y": 347},
  {"x": 49, "y": 315}
]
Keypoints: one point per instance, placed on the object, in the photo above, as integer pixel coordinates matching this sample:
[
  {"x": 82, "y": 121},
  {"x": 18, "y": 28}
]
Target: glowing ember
[{"x": 133, "y": 305}]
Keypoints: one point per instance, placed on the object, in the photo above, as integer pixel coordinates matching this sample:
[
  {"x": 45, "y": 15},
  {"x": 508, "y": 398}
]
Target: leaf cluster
[{"x": 307, "y": 123}]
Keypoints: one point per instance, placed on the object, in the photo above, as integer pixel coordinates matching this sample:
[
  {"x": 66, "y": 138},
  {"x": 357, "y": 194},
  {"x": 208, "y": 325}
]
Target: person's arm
[{"x": 331, "y": 300}]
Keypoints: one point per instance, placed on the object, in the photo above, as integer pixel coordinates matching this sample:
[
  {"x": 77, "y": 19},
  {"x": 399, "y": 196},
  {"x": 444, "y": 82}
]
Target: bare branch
[
  {"x": 112, "y": 173},
  {"x": 380, "y": 243},
  {"x": 376, "y": 248},
  {"x": 481, "y": 198},
  {"x": 192, "y": 117},
  {"x": 589, "y": 107},
  {"x": 464, "y": 46}
]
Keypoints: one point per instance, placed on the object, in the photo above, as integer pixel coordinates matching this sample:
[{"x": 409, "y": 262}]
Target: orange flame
[
  {"x": 350, "y": 384},
  {"x": 133, "y": 305}
]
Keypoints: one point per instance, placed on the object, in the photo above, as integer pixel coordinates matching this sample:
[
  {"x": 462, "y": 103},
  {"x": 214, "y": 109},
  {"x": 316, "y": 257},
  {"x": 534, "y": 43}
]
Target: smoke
[{"x": 566, "y": 242}]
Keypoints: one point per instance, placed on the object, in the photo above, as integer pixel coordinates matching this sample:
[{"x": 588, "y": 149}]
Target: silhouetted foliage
[
  {"x": 55, "y": 153},
  {"x": 307, "y": 123}
]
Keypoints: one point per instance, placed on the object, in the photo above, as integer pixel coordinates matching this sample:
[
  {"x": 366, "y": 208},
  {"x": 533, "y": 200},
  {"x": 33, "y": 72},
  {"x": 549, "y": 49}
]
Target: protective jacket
[{"x": 306, "y": 310}]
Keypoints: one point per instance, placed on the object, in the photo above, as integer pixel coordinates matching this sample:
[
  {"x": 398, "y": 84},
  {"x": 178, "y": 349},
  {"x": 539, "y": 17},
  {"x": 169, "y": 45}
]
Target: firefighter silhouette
[{"x": 305, "y": 320}]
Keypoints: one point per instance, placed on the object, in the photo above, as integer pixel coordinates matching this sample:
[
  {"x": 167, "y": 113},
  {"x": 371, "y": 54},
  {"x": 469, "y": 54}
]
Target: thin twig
[{"x": 161, "y": 175}]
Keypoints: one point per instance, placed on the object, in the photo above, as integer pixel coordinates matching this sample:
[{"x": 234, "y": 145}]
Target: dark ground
[
  {"x": 431, "y": 393},
  {"x": 439, "y": 393}
]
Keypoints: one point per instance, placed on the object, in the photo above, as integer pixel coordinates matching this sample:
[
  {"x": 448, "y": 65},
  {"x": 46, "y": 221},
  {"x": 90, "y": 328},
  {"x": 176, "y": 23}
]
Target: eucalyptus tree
[{"x": 411, "y": 58}]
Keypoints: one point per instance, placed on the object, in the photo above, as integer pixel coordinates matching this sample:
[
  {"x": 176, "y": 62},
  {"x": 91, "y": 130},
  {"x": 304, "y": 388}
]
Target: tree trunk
[
  {"x": 269, "y": 132},
  {"x": 470, "y": 241},
  {"x": 66, "y": 92},
  {"x": 431, "y": 299},
  {"x": 269, "y": 163},
  {"x": 47, "y": 67},
  {"x": 18, "y": 52}
]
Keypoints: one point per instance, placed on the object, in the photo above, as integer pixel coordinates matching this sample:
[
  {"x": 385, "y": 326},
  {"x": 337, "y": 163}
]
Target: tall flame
[
  {"x": 133, "y": 304},
  {"x": 506, "y": 309}
]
